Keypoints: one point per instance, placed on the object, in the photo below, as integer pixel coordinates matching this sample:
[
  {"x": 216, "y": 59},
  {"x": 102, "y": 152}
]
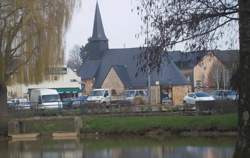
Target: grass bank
[{"x": 173, "y": 124}]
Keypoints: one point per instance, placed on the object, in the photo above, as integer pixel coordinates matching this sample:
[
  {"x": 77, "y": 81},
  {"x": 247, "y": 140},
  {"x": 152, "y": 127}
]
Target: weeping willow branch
[{"x": 31, "y": 37}]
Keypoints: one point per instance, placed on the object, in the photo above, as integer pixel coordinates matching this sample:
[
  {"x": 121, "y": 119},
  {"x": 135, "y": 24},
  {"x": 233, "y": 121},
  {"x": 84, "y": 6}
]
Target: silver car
[
  {"x": 192, "y": 98},
  {"x": 225, "y": 95}
]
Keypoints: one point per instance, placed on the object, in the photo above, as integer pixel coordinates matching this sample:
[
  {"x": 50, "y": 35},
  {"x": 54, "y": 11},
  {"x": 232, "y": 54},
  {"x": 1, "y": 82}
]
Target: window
[
  {"x": 198, "y": 83},
  {"x": 73, "y": 80},
  {"x": 50, "y": 98},
  {"x": 55, "y": 78},
  {"x": 113, "y": 92},
  {"x": 191, "y": 95},
  {"x": 200, "y": 94},
  {"x": 106, "y": 94}
]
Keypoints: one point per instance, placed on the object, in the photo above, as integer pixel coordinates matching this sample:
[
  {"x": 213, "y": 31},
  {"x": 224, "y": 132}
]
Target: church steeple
[
  {"x": 98, "y": 43},
  {"x": 98, "y": 30}
]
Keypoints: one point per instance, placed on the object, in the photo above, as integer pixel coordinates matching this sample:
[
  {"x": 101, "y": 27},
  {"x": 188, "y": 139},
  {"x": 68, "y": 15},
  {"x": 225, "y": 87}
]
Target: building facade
[
  {"x": 63, "y": 79},
  {"x": 215, "y": 70},
  {"x": 117, "y": 69}
]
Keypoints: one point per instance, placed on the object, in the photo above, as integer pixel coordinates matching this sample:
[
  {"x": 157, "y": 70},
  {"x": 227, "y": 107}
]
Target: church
[{"x": 117, "y": 69}]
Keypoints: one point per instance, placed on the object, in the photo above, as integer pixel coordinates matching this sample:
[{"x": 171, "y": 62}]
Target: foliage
[{"x": 31, "y": 37}]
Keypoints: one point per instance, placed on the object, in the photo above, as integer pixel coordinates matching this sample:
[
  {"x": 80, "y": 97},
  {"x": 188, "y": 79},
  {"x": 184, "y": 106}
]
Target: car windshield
[
  {"x": 130, "y": 93},
  {"x": 50, "y": 98},
  {"x": 97, "y": 93},
  {"x": 201, "y": 94},
  {"x": 231, "y": 93}
]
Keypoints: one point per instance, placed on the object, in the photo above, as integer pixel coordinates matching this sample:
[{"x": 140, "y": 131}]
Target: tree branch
[{"x": 201, "y": 34}]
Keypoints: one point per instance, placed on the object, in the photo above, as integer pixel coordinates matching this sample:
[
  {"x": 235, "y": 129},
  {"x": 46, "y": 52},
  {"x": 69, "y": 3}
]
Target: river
[{"x": 121, "y": 147}]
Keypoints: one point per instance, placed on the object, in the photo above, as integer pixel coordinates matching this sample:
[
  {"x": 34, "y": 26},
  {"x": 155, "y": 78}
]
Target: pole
[{"x": 148, "y": 67}]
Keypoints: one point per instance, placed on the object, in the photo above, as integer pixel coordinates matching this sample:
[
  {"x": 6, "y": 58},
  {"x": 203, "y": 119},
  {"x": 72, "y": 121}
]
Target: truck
[
  {"x": 45, "y": 99},
  {"x": 100, "y": 96}
]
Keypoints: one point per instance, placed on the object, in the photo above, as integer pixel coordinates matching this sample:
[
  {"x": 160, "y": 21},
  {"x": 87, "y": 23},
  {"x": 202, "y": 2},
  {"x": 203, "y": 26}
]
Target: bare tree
[
  {"x": 31, "y": 34},
  {"x": 216, "y": 76},
  {"x": 75, "y": 60},
  {"x": 200, "y": 24}
]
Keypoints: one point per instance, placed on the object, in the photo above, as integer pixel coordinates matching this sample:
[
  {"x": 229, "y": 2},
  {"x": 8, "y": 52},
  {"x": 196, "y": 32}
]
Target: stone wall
[
  {"x": 113, "y": 82},
  {"x": 179, "y": 92},
  {"x": 88, "y": 86},
  {"x": 44, "y": 125}
]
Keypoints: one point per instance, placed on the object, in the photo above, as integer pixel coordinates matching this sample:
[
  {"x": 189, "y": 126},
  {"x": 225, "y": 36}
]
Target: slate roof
[
  {"x": 169, "y": 74},
  {"x": 89, "y": 69},
  {"x": 228, "y": 57},
  {"x": 122, "y": 72},
  {"x": 186, "y": 60}
]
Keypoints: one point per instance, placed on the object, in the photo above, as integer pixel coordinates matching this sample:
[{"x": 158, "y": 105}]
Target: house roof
[
  {"x": 186, "y": 60},
  {"x": 228, "y": 57},
  {"x": 169, "y": 74},
  {"x": 89, "y": 69},
  {"x": 122, "y": 72}
]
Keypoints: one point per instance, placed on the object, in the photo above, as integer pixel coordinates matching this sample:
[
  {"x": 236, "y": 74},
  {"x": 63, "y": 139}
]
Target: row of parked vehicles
[
  {"x": 45, "y": 99},
  {"x": 50, "y": 99},
  {"x": 192, "y": 98}
]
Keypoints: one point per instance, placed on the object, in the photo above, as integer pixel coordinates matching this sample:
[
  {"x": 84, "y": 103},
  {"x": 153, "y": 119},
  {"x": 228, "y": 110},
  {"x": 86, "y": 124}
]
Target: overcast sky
[{"x": 120, "y": 24}]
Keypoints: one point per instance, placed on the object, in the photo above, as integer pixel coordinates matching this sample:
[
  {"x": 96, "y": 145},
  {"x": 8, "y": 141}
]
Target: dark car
[
  {"x": 78, "y": 102},
  {"x": 67, "y": 103}
]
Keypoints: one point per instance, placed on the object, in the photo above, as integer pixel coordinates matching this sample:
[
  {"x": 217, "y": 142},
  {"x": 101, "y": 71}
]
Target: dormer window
[{"x": 73, "y": 80}]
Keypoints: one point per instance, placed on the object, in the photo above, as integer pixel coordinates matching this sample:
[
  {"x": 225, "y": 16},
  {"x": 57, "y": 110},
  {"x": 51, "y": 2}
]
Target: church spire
[{"x": 98, "y": 31}]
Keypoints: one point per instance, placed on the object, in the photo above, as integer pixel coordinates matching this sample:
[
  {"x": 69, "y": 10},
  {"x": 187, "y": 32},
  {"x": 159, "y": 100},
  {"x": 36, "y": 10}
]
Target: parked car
[
  {"x": 19, "y": 103},
  {"x": 165, "y": 99},
  {"x": 78, "y": 102},
  {"x": 67, "y": 103},
  {"x": 192, "y": 98},
  {"x": 225, "y": 95},
  {"x": 130, "y": 95}
]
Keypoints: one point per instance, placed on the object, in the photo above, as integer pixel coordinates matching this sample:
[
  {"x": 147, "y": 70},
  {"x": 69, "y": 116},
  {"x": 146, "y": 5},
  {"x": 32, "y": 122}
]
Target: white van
[
  {"x": 45, "y": 99},
  {"x": 100, "y": 96}
]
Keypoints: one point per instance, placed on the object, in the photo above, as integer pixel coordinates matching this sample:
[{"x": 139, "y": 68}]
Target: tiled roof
[{"x": 169, "y": 74}]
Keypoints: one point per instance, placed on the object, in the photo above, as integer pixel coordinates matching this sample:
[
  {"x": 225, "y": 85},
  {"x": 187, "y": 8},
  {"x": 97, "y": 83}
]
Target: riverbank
[
  {"x": 106, "y": 125},
  {"x": 213, "y": 125}
]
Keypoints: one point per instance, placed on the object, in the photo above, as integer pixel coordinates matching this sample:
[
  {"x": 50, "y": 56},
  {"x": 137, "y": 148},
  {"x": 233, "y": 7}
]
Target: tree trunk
[
  {"x": 3, "y": 101},
  {"x": 243, "y": 144},
  {"x": 3, "y": 110}
]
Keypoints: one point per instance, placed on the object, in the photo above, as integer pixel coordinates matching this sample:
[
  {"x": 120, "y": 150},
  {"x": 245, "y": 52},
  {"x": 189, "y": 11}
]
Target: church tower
[{"x": 98, "y": 43}]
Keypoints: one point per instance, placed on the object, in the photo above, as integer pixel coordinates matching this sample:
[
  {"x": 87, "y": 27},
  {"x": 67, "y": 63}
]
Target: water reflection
[{"x": 121, "y": 148}]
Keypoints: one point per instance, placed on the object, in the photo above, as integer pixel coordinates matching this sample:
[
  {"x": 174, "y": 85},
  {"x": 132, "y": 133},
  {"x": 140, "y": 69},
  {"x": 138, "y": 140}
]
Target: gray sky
[{"x": 120, "y": 23}]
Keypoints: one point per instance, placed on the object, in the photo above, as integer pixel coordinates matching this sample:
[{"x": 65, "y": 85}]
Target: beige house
[
  {"x": 215, "y": 70},
  {"x": 114, "y": 82},
  {"x": 186, "y": 61}
]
